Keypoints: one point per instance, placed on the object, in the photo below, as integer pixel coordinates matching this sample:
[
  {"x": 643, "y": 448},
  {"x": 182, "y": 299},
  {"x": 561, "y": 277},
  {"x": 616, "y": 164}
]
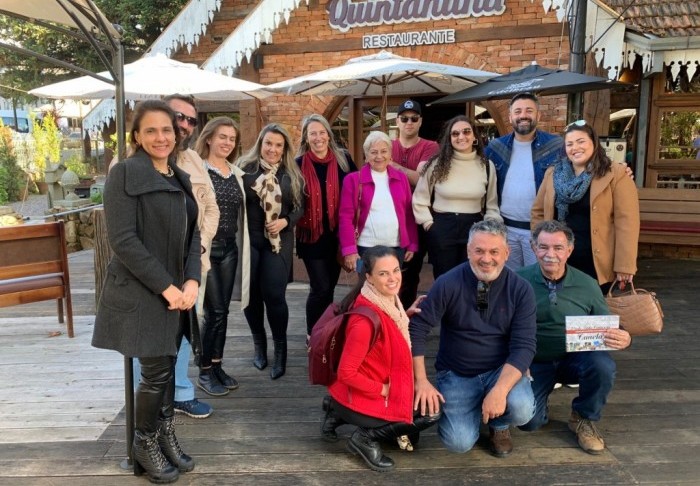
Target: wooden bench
[
  {"x": 34, "y": 267},
  {"x": 669, "y": 216}
]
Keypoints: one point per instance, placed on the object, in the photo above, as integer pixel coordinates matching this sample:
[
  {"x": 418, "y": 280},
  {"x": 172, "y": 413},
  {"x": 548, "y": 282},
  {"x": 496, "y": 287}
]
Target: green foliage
[
  {"x": 76, "y": 164},
  {"x": 96, "y": 198},
  {"x": 142, "y": 22},
  {"x": 47, "y": 145},
  {"x": 678, "y": 129},
  {"x": 11, "y": 176}
]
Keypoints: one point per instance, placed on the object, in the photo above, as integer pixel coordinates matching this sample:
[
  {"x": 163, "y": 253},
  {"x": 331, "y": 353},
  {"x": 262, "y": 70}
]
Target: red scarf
[{"x": 310, "y": 227}]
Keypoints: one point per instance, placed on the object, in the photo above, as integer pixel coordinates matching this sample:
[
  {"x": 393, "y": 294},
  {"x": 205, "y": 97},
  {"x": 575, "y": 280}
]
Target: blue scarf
[{"x": 568, "y": 187}]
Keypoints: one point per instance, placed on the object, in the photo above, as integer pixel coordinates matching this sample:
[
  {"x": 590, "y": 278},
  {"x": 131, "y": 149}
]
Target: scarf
[
  {"x": 568, "y": 187},
  {"x": 310, "y": 226},
  {"x": 267, "y": 187},
  {"x": 391, "y": 306}
]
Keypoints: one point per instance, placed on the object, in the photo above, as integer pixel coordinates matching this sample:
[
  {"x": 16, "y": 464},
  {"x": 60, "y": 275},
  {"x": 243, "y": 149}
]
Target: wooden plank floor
[{"x": 62, "y": 420}]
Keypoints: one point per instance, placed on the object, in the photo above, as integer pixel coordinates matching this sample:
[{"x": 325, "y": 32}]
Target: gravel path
[{"x": 35, "y": 205}]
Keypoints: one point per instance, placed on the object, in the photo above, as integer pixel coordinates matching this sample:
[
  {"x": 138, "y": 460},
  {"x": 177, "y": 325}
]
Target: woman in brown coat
[{"x": 599, "y": 201}]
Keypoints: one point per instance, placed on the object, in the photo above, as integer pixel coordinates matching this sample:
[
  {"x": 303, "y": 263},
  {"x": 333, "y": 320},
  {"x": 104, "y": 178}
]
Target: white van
[{"x": 24, "y": 123}]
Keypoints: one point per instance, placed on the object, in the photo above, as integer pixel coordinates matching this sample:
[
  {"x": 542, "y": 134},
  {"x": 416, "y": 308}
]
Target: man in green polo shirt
[{"x": 560, "y": 291}]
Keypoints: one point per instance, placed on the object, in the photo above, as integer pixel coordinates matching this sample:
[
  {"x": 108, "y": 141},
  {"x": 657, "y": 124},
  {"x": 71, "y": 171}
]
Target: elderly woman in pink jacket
[{"x": 375, "y": 206}]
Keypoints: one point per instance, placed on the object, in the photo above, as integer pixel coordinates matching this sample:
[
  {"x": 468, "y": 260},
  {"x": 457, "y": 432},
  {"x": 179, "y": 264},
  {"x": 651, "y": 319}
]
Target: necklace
[{"x": 170, "y": 172}]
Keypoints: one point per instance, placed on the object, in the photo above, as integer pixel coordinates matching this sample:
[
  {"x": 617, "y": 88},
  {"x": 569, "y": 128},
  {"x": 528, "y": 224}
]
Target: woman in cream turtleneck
[{"x": 456, "y": 188}]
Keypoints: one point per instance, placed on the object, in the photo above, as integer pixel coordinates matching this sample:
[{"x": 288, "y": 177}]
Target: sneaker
[
  {"x": 589, "y": 439},
  {"x": 557, "y": 386},
  {"x": 500, "y": 443},
  {"x": 194, "y": 408}
]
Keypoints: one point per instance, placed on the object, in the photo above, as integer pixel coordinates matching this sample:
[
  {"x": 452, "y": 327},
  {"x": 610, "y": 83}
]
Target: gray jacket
[{"x": 146, "y": 225}]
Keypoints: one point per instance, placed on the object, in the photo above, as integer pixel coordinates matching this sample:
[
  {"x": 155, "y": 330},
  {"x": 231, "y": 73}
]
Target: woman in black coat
[
  {"x": 152, "y": 280},
  {"x": 274, "y": 198}
]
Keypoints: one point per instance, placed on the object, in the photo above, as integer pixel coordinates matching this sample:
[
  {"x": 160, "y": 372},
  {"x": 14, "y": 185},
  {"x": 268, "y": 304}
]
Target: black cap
[{"x": 409, "y": 105}]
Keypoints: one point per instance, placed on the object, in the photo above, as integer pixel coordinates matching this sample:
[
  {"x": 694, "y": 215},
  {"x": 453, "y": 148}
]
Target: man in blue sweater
[
  {"x": 487, "y": 342},
  {"x": 520, "y": 159},
  {"x": 562, "y": 291}
]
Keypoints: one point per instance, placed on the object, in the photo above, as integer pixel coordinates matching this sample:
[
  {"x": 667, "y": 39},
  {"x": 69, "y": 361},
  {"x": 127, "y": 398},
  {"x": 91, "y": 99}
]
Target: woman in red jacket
[{"x": 374, "y": 389}]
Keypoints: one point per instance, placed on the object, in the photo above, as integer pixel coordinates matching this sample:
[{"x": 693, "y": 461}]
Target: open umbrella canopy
[
  {"x": 154, "y": 77},
  {"x": 382, "y": 74},
  {"x": 535, "y": 79}
]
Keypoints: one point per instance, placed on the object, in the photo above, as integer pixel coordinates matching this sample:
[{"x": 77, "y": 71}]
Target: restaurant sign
[
  {"x": 398, "y": 39},
  {"x": 346, "y": 14}
]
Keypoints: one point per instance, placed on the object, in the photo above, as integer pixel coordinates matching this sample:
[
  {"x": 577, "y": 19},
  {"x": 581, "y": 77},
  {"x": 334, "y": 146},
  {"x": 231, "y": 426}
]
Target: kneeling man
[
  {"x": 487, "y": 324},
  {"x": 562, "y": 290}
]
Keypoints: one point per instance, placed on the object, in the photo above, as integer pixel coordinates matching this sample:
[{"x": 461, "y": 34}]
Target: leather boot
[
  {"x": 330, "y": 421},
  {"x": 391, "y": 432},
  {"x": 149, "y": 458},
  {"x": 279, "y": 367},
  {"x": 363, "y": 444},
  {"x": 171, "y": 447},
  {"x": 260, "y": 356},
  {"x": 223, "y": 377},
  {"x": 209, "y": 383}
]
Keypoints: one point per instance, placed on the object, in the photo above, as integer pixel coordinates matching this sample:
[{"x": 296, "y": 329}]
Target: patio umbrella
[
  {"x": 535, "y": 79},
  {"x": 156, "y": 76},
  {"x": 383, "y": 74}
]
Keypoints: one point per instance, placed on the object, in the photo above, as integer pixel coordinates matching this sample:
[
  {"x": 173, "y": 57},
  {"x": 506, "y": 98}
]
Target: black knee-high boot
[
  {"x": 148, "y": 457},
  {"x": 260, "y": 353},
  {"x": 279, "y": 367},
  {"x": 330, "y": 421},
  {"x": 166, "y": 432}
]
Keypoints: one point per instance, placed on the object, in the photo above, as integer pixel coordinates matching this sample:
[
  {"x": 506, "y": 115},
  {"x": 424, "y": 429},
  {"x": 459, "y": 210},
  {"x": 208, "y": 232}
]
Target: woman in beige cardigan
[{"x": 599, "y": 201}]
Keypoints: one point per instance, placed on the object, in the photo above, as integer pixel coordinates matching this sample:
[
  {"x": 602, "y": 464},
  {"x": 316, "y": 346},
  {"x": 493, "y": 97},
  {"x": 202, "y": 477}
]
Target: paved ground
[{"x": 35, "y": 205}]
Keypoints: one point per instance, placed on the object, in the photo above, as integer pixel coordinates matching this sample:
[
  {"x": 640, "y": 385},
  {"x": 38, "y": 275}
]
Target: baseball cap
[{"x": 409, "y": 105}]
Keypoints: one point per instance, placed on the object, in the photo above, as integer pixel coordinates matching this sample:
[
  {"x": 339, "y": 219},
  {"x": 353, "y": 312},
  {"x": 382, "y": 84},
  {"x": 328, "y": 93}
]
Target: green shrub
[{"x": 11, "y": 176}]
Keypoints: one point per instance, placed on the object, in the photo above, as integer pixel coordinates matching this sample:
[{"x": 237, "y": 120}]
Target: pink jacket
[{"x": 401, "y": 194}]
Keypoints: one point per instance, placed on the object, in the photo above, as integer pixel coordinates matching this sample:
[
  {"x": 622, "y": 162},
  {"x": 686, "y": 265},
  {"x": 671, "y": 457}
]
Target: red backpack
[{"x": 327, "y": 341}]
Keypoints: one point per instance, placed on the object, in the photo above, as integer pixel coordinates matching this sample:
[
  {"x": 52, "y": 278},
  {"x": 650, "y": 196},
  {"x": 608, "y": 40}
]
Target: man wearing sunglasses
[
  {"x": 521, "y": 159},
  {"x": 487, "y": 324},
  {"x": 562, "y": 290},
  {"x": 407, "y": 152}
]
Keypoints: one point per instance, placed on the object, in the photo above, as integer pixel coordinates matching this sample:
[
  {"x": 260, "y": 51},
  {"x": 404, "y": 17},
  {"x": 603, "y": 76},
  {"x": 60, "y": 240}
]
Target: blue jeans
[
  {"x": 184, "y": 388},
  {"x": 594, "y": 371},
  {"x": 521, "y": 253},
  {"x": 458, "y": 427}
]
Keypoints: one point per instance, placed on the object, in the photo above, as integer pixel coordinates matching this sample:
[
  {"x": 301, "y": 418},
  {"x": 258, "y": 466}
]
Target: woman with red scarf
[{"x": 323, "y": 165}]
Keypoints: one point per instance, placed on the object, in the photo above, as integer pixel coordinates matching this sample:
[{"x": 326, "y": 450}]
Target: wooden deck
[{"x": 62, "y": 418}]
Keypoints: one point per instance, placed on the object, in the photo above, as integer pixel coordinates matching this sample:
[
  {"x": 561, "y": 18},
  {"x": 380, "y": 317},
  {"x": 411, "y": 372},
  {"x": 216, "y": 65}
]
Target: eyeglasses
[
  {"x": 414, "y": 118},
  {"x": 192, "y": 121},
  {"x": 577, "y": 123},
  {"x": 463, "y": 131},
  {"x": 482, "y": 296},
  {"x": 552, "y": 286}
]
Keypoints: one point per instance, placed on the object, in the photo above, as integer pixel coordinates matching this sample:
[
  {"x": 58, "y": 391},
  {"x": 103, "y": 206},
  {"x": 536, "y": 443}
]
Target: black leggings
[
  {"x": 217, "y": 298},
  {"x": 155, "y": 392},
  {"x": 323, "y": 277},
  {"x": 269, "y": 273},
  {"x": 420, "y": 422}
]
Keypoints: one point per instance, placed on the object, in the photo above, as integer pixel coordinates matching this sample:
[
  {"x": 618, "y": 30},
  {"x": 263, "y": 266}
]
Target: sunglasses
[
  {"x": 552, "y": 286},
  {"x": 463, "y": 131},
  {"x": 192, "y": 121},
  {"x": 577, "y": 123},
  {"x": 414, "y": 118},
  {"x": 482, "y": 296}
]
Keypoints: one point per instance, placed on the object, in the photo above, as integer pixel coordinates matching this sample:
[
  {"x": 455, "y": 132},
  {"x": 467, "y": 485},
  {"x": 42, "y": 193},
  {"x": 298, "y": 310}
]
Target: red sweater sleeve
[{"x": 358, "y": 336}]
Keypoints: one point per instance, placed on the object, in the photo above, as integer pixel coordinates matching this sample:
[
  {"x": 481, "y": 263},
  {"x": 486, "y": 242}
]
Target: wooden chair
[{"x": 34, "y": 267}]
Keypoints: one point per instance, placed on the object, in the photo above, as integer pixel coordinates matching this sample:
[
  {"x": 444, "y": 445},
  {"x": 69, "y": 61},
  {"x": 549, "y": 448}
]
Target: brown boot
[
  {"x": 500, "y": 443},
  {"x": 589, "y": 439}
]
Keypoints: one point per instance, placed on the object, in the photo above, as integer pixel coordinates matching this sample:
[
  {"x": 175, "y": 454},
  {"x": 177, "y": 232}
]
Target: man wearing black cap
[{"x": 407, "y": 152}]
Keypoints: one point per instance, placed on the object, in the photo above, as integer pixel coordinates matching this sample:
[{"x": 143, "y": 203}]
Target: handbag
[{"x": 639, "y": 310}]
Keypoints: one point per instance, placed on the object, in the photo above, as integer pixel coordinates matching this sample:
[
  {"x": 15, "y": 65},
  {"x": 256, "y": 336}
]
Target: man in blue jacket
[
  {"x": 521, "y": 158},
  {"x": 487, "y": 324}
]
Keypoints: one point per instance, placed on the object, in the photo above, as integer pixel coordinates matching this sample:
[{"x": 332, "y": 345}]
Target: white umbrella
[
  {"x": 384, "y": 74},
  {"x": 156, "y": 76}
]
